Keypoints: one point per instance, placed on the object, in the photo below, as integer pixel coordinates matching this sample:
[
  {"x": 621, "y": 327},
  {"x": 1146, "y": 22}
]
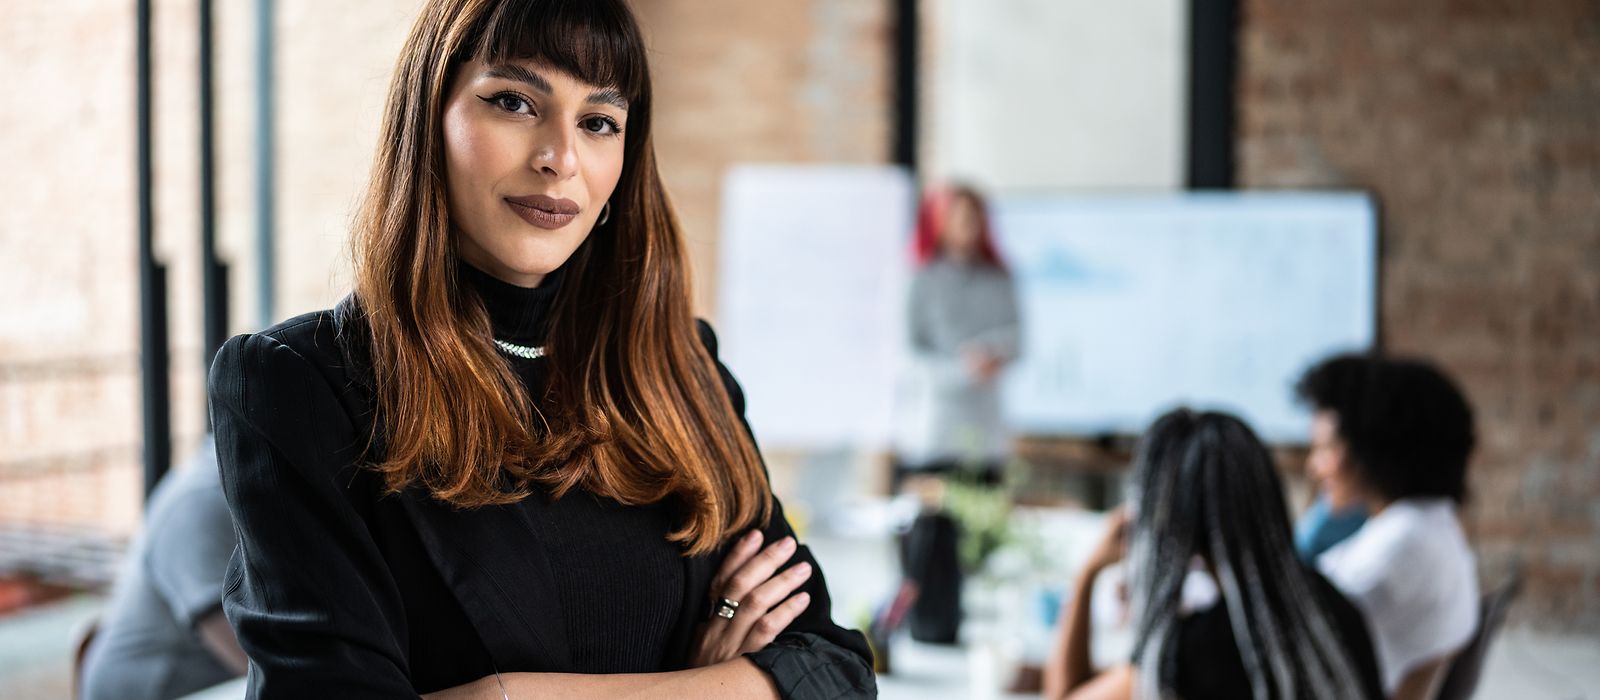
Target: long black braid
[{"x": 1204, "y": 486}]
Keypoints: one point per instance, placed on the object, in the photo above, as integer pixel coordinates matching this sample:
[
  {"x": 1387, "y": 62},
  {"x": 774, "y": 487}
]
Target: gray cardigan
[{"x": 945, "y": 412}]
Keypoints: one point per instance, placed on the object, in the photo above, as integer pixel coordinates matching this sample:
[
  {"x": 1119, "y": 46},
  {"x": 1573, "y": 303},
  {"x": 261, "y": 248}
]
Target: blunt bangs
[{"x": 594, "y": 41}]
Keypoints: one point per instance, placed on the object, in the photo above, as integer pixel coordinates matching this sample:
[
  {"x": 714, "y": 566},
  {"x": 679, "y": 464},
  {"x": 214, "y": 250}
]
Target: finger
[
  {"x": 775, "y": 622},
  {"x": 746, "y": 547},
  {"x": 756, "y": 571},
  {"x": 755, "y": 607}
]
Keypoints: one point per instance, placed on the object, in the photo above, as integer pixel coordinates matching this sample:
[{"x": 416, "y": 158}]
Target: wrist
[{"x": 1091, "y": 571}]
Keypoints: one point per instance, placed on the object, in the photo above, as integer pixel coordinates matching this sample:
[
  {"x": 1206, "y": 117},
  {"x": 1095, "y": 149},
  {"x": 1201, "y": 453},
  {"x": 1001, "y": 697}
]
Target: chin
[
  {"x": 534, "y": 257},
  {"x": 1340, "y": 503},
  {"x": 533, "y": 265}
]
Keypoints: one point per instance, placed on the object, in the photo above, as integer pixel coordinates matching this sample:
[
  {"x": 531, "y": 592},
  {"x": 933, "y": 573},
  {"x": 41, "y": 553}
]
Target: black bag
[{"x": 930, "y": 557}]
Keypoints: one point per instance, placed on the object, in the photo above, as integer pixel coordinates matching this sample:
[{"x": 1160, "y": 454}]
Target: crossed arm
[{"x": 750, "y": 575}]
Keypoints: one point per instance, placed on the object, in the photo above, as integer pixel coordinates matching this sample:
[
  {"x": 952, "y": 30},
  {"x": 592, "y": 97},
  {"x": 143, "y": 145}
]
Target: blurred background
[{"x": 1446, "y": 151}]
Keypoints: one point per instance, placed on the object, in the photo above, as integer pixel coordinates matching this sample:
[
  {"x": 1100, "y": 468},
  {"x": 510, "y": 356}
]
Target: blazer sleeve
[
  {"x": 813, "y": 658},
  {"x": 307, "y": 590}
]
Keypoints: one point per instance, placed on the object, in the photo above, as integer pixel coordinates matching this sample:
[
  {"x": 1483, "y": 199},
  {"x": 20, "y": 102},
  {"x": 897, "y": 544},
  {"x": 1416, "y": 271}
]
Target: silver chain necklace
[{"x": 525, "y": 352}]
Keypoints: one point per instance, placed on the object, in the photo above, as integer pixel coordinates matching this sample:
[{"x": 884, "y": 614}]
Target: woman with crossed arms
[{"x": 509, "y": 464}]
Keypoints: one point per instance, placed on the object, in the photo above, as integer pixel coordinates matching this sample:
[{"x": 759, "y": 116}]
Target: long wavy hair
[
  {"x": 635, "y": 408},
  {"x": 1204, "y": 486}
]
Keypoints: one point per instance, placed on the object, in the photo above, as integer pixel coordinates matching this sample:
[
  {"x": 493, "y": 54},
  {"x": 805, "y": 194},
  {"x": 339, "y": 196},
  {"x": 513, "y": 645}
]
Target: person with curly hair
[{"x": 1394, "y": 437}]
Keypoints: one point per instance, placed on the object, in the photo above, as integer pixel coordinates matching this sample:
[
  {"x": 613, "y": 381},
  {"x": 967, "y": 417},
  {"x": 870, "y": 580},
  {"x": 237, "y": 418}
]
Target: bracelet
[{"x": 501, "y": 683}]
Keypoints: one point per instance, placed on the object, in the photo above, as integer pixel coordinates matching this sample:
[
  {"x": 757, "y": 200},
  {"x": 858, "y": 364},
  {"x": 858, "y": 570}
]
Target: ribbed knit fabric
[
  {"x": 619, "y": 580},
  {"x": 517, "y": 314}
]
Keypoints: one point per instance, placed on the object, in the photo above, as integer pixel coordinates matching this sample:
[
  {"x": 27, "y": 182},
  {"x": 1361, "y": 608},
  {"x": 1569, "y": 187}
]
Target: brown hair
[{"x": 635, "y": 408}]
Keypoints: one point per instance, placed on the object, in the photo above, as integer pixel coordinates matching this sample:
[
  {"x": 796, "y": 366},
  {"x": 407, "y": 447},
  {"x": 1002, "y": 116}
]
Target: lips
[{"x": 544, "y": 212}]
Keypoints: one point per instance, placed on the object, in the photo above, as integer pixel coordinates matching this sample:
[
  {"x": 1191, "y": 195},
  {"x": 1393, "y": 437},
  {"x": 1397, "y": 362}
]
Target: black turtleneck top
[{"x": 619, "y": 580}]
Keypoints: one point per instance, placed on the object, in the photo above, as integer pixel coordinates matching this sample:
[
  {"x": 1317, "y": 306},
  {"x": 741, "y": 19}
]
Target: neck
[
  {"x": 1376, "y": 504},
  {"x": 517, "y": 314},
  {"x": 483, "y": 262}
]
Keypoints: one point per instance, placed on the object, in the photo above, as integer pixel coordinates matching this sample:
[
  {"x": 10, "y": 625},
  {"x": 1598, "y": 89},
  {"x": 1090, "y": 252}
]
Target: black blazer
[{"x": 338, "y": 591}]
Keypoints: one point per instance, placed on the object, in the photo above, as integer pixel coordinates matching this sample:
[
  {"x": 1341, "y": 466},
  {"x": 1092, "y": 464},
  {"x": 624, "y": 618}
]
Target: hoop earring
[{"x": 605, "y": 215}]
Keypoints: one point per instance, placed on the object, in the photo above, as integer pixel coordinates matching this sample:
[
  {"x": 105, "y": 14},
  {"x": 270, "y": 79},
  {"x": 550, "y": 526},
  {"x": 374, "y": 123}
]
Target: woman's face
[
  {"x": 959, "y": 237},
  {"x": 1329, "y": 462},
  {"x": 531, "y": 157}
]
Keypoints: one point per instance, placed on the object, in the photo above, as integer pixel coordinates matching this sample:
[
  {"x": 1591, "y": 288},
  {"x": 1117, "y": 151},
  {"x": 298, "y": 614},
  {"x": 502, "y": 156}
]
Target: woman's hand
[
  {"x": 1113, "y": 544},
  {"x": 764, "y": 608},
  {"x": 983, "y": 364},
  {"x": 1068, "y": 668}
]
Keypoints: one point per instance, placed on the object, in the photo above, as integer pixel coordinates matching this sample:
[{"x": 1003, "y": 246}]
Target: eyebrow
[
  {"x": 511, "y": 71},
  {"x": 608, "y": 96}
]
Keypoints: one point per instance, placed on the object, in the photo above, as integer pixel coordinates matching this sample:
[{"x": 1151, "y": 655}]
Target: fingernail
[
  {"x": 752, "y": 536},
  {"x": 802, "y": 569},
  {"x": 788, "y": 543}
]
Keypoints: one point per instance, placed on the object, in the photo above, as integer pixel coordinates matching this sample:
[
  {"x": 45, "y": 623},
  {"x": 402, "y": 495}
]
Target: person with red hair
[{"x": 964, "y": 330}]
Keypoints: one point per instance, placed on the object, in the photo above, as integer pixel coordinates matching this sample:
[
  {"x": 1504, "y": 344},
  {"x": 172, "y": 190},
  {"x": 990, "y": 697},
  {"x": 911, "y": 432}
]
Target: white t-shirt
[{"x": 1410, "y": 571}]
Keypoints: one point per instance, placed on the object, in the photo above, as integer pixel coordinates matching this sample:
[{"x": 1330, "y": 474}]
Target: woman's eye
[
  {"x": 509, "y": 102},
  {"x": 512, "y": 103},
  {"x": 604, "y": 126}
]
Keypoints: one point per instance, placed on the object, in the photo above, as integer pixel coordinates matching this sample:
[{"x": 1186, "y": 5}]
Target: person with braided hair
[{"x": 1205, "y": 500}]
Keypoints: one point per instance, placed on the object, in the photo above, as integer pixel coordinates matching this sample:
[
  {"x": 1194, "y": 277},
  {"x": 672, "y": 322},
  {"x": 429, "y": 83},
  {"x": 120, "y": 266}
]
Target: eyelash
[
  {"x": 616, "y": 129},
  {"x": 499, "y": 99}
]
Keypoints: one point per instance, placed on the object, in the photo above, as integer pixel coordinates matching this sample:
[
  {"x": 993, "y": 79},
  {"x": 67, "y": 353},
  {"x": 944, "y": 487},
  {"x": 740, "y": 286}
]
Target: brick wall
[
  {"x": 70, "y": 412},
  {"x": 1477, "y": 125},
  {"x": 69, "y": 315},
  {"x": 739, "y": 81}
]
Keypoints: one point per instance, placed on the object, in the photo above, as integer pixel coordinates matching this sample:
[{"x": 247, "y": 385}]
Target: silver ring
[{"x": 726, "y": 609}]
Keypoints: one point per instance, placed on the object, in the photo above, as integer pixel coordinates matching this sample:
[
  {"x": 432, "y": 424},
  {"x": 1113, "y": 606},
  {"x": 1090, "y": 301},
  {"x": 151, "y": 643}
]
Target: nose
[{"x": 556, "y": 154}]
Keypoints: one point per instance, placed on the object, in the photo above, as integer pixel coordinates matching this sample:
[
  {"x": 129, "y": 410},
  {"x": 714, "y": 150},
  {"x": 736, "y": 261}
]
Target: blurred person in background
[
  {"x": 1393, "y": 437},
  {"x": 163, "y": 634},
  {"x": 510, "y": 464},
  {"x": 964, "y": 331},
  {"x": 1321, "y": 527},
  {"x": 1205, "y": 499}
]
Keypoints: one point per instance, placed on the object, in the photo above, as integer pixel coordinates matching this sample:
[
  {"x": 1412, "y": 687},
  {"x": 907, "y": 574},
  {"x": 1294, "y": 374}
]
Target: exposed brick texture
[
  {"x": 1477, "y": 126},
  {"x": 736, "y": 82}
]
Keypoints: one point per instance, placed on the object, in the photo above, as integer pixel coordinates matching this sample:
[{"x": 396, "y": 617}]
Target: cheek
[
  {"x": 1317, "y": 464},
  {"x": 469, "y": 156},
  {"x": 461, "y": 145},
  {"x": 478, "y": 154},
  {"x": 602, "y": 168},
  {"x": 1339, "y": 482}
]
